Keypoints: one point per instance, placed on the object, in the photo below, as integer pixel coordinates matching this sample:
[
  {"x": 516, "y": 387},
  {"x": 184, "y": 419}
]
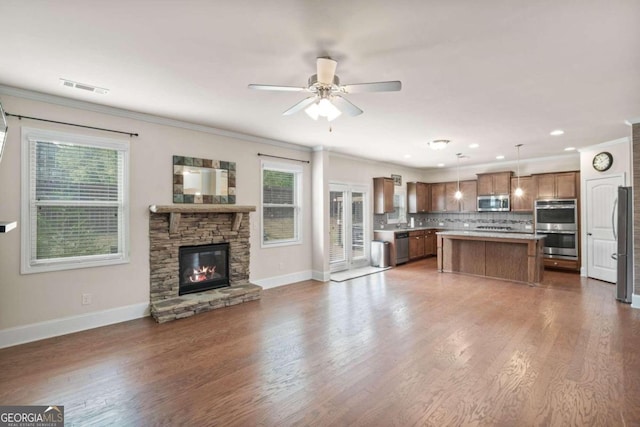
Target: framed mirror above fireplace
[{"x": 205, "y": 181}]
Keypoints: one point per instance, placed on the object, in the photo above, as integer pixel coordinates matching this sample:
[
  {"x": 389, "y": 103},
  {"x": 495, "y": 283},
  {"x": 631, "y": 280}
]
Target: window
[
  {"x": 75, "y": 209},
  {"x": 281, "y": 209},
  {"x": 399, "y": 213}
]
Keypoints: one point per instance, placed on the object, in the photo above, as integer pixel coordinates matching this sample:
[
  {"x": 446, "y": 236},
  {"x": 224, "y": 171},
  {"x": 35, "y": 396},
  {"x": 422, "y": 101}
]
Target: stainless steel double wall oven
[{"x": 558, "y": 219}]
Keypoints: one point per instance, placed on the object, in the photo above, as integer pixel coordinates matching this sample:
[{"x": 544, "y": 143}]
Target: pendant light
[
  {"x": 518, "y": 191},
  {"x": 458, "y": 194}
]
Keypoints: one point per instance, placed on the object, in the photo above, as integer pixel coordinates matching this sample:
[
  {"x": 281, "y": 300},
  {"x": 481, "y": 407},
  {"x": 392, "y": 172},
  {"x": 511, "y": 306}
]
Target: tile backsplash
[{"x": 516, "y": 220}]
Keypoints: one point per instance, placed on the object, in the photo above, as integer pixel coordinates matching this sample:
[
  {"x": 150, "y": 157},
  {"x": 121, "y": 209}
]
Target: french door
[{"x": 348, "y": 227}]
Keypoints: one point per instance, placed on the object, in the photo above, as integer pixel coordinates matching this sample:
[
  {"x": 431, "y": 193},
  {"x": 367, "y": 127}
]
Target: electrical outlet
[
  {"x": 441, "y": 224},
  {"x": 281, "y": 266},
  {"x": 466, "y": 225},
  {"x": 527, "y": 227},
  {"x": 87, "y": 299}
]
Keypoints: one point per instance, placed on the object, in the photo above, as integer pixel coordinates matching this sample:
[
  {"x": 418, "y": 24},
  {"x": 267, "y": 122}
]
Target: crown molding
[
  {"x": 622, "y": 140},
  {"x": 143, "y": 117}
]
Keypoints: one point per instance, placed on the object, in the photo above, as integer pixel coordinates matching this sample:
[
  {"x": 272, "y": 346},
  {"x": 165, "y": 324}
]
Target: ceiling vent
[{"x": 83, "y": 86}]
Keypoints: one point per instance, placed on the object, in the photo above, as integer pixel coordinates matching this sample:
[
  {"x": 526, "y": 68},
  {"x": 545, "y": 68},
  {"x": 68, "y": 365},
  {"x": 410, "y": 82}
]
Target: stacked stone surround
[{"x": 200, "y": 228}]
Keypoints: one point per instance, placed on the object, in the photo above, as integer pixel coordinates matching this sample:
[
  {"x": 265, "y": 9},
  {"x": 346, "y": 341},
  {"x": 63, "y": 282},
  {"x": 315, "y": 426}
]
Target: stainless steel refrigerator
[{"x": 624, "y": 235}]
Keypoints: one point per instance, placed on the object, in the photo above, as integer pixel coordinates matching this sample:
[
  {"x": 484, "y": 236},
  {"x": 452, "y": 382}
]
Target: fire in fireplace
[{"x": 203, "y": 267}]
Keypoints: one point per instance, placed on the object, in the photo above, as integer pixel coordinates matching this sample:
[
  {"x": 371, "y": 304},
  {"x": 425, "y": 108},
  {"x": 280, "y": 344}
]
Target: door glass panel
[
  {"x": 337, "y": 250},
  {"x": 357, "y": 225}
]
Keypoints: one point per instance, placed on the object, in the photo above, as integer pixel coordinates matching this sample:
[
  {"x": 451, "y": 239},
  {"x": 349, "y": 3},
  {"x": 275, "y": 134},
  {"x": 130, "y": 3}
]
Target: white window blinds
[
  {"x": 280, "y": 204},
  {"x": 77, "y": 204}
]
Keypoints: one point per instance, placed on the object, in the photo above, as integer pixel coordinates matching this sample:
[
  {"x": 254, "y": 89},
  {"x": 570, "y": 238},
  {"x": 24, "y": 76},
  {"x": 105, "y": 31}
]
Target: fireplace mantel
[{"x": 175, "y": 212}]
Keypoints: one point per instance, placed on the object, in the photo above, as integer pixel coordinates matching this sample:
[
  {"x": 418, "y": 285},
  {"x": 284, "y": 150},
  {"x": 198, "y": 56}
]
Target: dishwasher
[{"x": 402, "y": 247}]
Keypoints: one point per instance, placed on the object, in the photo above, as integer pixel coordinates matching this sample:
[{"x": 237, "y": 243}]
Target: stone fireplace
[{"x": 199, "y": 259}]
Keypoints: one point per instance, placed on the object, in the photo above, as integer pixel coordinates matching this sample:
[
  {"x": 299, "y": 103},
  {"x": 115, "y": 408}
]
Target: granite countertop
[{"x": 494, "y": 235}]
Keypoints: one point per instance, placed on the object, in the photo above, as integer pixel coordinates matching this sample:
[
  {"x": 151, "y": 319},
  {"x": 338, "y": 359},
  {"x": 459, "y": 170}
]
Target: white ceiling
[{"x": 495, "y": 73}]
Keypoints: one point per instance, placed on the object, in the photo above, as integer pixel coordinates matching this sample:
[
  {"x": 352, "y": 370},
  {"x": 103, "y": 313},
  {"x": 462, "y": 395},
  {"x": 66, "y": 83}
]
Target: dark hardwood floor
[{"x": 409, "y": 346}]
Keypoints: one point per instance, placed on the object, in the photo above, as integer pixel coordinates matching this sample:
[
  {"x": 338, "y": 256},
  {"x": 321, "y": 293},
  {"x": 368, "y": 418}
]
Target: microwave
[{"x": 494, "y": 203}]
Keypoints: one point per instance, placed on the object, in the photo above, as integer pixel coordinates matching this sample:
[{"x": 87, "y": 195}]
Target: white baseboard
[
  {"x": 66, "y": 325},
  {"x": 321, "y": 276},
  {"x": 635, "y": 301},
  {"x": 274, "y": 282}
]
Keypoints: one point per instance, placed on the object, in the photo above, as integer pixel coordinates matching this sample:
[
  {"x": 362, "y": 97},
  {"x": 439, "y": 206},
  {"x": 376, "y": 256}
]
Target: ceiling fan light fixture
[
  {"x": 313, "y": 111},
  {"x": 323, "y": 108},
  {"x": 438, "y": 144}
]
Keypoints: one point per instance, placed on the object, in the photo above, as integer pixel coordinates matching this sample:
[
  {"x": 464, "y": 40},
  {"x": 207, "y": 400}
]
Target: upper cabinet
[
  {"x": 469, "y": 190},
  {"x": 522, "y": 203},
  {"x": 562, "y": 185},
  {"x": 451, "y": 203},
  {"x": 438, "y": 199},
  {"x": 418, "y": 197},
  {"x": 443, "y": 196},
  {"x": 382, "y": 195},
  {"x": 494, "y": 183}
]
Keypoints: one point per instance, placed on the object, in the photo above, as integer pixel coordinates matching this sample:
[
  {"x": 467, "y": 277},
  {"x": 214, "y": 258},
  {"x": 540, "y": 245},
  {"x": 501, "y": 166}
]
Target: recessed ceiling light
[
  {"x": 474, "y": 145},
  {"x": 83, "y": 86},
  {"x": 500, "y": 157},
  {"x": 570, "y": 149},
  {"x": 556, "y": 132},
  {"x": 407, "y": 156},
  {"x": 440, "y": 165}
]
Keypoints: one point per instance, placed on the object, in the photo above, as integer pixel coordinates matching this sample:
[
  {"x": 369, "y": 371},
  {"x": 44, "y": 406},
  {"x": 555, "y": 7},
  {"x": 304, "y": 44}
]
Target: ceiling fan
[{"x": 327, "y": 98}]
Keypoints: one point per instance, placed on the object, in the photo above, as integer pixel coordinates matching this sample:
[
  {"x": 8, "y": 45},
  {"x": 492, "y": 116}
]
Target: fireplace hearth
[{"x": 203, "y": 267}]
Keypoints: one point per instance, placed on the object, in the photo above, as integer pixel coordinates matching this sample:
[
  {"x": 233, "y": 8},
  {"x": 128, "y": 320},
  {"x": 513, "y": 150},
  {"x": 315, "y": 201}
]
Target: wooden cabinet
[
  {"x": 418, "y": 197},
  {"x": 562, "y": 185},
  {"x": 469, "y": 202},
  {"x": 382, "y": 195},
  {"x": 562, "y": 264},
  {"x": 438, "y": 200},
  {"x": 416, "y": 244},
  {"x": 494, "y": 183},
  {"x": 430, "y": 248},
  {"x": 451, "y": 203},
  {"x": 522, "y": 203},
  {"x": 443, "y": 197}
]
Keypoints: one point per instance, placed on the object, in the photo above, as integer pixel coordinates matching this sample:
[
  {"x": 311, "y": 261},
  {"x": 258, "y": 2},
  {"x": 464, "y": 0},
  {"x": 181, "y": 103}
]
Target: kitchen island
[{"x": 510, "y": 256}]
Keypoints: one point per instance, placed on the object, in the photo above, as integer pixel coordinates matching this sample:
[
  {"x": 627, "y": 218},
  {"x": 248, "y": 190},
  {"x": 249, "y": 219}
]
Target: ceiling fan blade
[
  {"x": 392, "y": 86},
  {"x": 300, "y": 105},
  {"x": 346, "y": 106},
  {"x": 326, "y": 69},
  {"x": 278, "y": 88}
]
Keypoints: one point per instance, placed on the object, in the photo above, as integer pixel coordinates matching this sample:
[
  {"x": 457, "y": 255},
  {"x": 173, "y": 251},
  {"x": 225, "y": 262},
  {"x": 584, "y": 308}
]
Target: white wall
[
  {"x": 27, "y": 299},
  {"x": 351, "y": 170},
  {"x": 620, "y": 149}
]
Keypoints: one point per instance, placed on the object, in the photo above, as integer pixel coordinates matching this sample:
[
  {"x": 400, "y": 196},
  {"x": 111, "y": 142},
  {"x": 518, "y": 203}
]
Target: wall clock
[{"x": 602, "y": 161}]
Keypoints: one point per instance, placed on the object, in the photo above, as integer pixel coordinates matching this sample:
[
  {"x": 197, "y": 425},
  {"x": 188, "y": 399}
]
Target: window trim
[
  {"x": 29, "y": 137},
  {"x": 298, "y": 172}
]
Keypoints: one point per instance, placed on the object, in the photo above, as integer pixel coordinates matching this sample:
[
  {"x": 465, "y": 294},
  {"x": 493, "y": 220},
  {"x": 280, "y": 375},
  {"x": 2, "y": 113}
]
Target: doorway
[
  {"x": 601, "y": 204},
  {"x": 348, "y": 227}
]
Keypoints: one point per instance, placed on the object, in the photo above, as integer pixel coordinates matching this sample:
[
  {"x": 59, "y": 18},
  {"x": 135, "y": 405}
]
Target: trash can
[{"x": 380, "y": 253}]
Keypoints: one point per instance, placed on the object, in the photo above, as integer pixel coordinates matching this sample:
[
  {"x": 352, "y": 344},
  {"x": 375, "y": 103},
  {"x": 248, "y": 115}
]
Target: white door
[
  {"x": 348, "y": 236},
  {"x": 602, "y": 196}
]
